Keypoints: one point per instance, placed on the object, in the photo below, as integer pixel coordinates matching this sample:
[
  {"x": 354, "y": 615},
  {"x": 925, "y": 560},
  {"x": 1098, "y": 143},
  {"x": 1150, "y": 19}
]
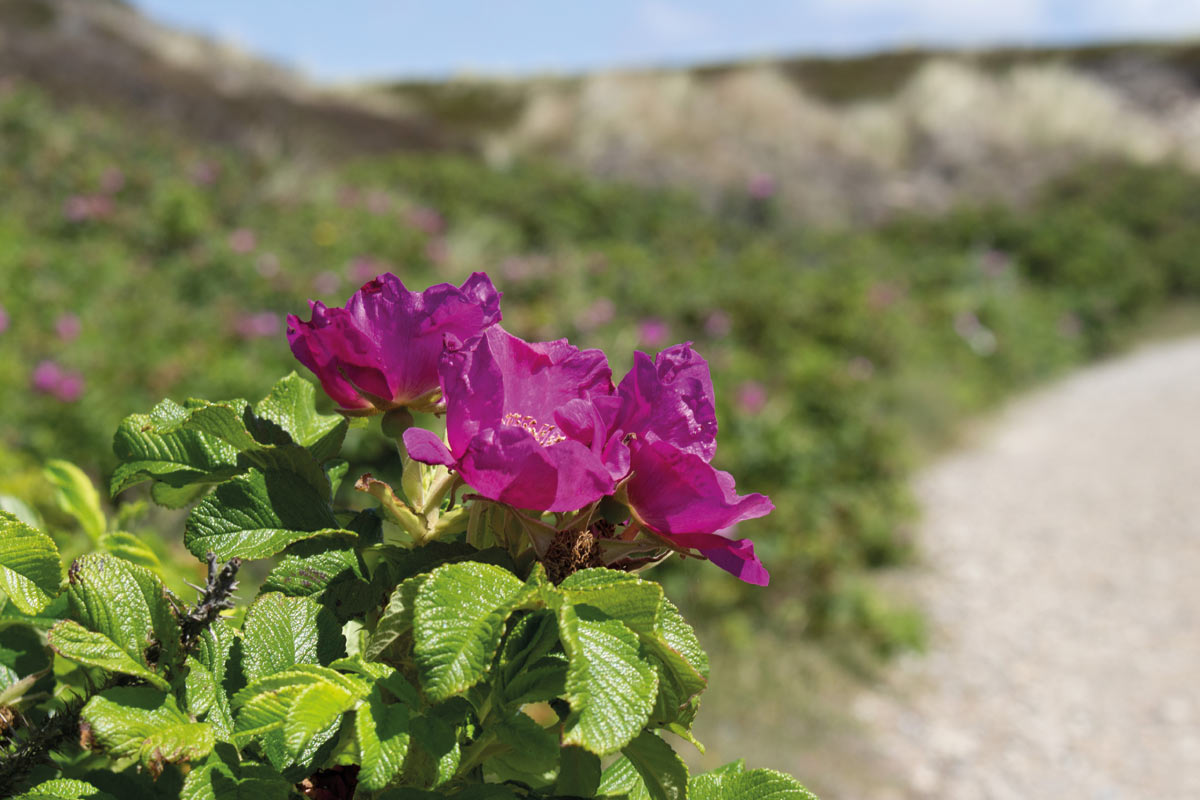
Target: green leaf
[
  {"x": 43, "y": 620},
  {"x": 75, "y": 642},
  {"x": 65, "y": 789},
  {"x": 291, "y": 406},
  {"x": 130, "y": 721},
  {"x": 22, "y": 653},
  {"x": 76, "y": 495},
  {"x": 206, "y": 683},
  {"x": 530, "y": 670},
  {"x": 257, "y": 515},
  {"x": 130, "y": 606},
  {"x": 303, "y": 702},
  {"x": 382, "y": 732},
  {"x": 610, "y": 687},
  {"x": 155, "y": 447},
  {"x": 578, "y": 773},
  {"x": 30, "y": 570},
  {"x": 738, "y": 784},
  {"x": 280, "y": 632},
  {"x": 458, "y": 618},
  {"x": 330, "y": 570},
  {"x": 532, "y": 752},
  {"x": 682, "y": 667},
  {"x": 397, "y": 618},
  {"x": 223, "y": 777},
  {"x": 662, "y": 771},
  {"x": 621, "y": 779},
  {"x": 131, "y": 548},
  {"x": 620, "y": 595}
]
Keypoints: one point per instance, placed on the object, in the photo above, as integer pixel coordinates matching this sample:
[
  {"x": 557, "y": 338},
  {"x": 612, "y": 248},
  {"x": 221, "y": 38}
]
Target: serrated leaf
[
  {"x": 382, "y": 732},
  {"x": 397, "y": 618},
  {"x": 130, "y": 606},
  {"x": 330, "y": 570},
  {"x": 75, "y": 642},
  {"x": 610, "y": 687},
  {"x": 281, "y": 631},
  {"x": 205, "y": 685},
  {"x": 301, "y": 703},
  {"x": 75, "y": 494},
  {"x": 45, "y": 619},
  {"x": 30, "y": 570},
  {"x": 257, "y": 515},
  {"x": 155, "y": 447},
  {"x": 223, "y": 777},
  {"x": 683, "y": 670},
  {"x": 755, "y": 784},
  {"x": 458, "y": 619},
  {"x": 315, "y": 709},
  {"x": 291, "y": 405},
  {"x": 663, "y": 772},
  {"x": 65, "y": 789},
  {"x": 529, "y": 669},
  {"x": 139, "y": 721},
  {"x": 621, "y": 779},
  {"x": 620, "y": 595}
]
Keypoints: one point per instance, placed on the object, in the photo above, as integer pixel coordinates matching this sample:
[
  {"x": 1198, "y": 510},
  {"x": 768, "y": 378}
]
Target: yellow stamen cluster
[{"x": 544, "y": 434}]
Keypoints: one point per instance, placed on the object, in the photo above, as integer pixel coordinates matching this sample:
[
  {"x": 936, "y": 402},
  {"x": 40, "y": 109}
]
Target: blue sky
[{"x": 347, "y": 40}]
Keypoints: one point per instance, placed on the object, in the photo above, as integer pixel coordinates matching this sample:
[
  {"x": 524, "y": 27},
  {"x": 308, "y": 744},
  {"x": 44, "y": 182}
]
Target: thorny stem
[
  {"x": 215, "y": 596},
  {"x": 16, "y": 765}
]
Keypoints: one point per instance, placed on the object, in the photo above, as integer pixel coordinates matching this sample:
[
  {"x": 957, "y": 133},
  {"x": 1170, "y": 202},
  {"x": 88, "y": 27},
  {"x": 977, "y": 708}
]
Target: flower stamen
[{"x": 544, "y": 434}]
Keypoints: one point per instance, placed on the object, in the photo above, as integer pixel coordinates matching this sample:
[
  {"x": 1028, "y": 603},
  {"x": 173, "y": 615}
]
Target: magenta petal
[
  {"x": 382, "y": 350},
  {"x": 671, "y": 400},
  {"x": 509, "y": 466},
  {"x": 426, "y": 447},
  {"x": 735, "y": 556},
  {"x": 673, "y": 492}
]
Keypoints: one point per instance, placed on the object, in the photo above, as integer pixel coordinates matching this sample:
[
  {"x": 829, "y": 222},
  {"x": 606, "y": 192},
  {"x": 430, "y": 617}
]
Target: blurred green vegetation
[{"x": 152, "y": 266}]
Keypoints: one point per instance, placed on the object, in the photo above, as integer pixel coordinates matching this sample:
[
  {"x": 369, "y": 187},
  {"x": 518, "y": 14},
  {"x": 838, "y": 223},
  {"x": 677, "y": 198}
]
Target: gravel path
[{"x": 1063, "y": 589}]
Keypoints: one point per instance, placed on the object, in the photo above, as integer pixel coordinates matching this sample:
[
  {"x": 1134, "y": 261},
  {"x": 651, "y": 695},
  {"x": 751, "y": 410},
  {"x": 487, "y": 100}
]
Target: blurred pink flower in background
[
  {"x": 718, "y": 324},
  {"x": 327, "y": 282},
  {"x": 751, "y": 397},
  {"x": 600, "y": 312},
  {"x": 761, "y": 187},
  {"x": 112, "y": 181},
  {"x": 652, "y": 332},
  {"x": 378, "y": 202},
  {"x": 364, "y": 268},
  {"x": 67, "y": 326},
  {"x": 348, "y": 197},
  {"x": 82, "y": 207},
  {"x": 205, "y": 173},
  {"x": 267, "y": 265},
  {"x": 242, "y": 240},
  {"x": 49, "y": 378},
  {"x": 4, "y": 320},
  {"x": 860, "y": 368},
  {"x": 426, "y": 220},
  {"x": 883, "y": 295},
  {"x": 258, "y": 325},
  {"x": 437, "y": 251}
]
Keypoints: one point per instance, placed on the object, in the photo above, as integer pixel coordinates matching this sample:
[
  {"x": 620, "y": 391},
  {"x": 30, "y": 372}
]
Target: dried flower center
[{"x": 544, "y": 434}]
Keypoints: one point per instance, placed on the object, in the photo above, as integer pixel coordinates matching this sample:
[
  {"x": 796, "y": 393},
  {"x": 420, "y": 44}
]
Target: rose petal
[
  {"x": 670, "y": 399},
  {"x": 426, "y": 447}
]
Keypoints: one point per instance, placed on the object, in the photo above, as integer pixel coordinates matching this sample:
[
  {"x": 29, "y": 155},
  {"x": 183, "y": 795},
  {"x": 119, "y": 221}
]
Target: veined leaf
[
  {"x": 730, "y": 783},
  {"x": 65, "y": 789},
  {"x": 382, "y": 732},
  {"x": 578, "y": 773},
  {"x": 610, "y": 687},
  {"x": 223, "y": 776},
  {"x": 77, "y": 496},
  {"x": 458, "y": 619},
  {"x": 620, "y": 595},
  {"x": 144, "y": 722},
  {"x": 131, "y": 548},
  {"x": 663, "y": 772},
  {"x": 532, "y": 754},
  {"x": 281, "y": 632},
  {"x": 257, "y": 515},
  {"x": 130, "y": 606},
  {"x": 303, "y": 702},
  {"x": 154, "y": 447},
  {"x": 397, "y": 618},
  {"x": 205, "y": 684},
  {"x": 75, "y": 642},
  {"x": 30, "y": 570},
  {"x": 291, "y": 406}
]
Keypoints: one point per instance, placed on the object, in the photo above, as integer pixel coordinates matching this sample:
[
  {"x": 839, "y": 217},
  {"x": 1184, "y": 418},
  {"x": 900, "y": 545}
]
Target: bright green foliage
[
  {"x": 257, "y": 515},
  {"x": 30, "y": 572},
  {"x": 438, "y": 670},
  {"x": 146, "y": 724},
  {"x": 458, "y": 618},
  {"x": 64, "y": 789},
  {"x": 735, "y": 782},
  {"x": 77, "y": 496}
]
